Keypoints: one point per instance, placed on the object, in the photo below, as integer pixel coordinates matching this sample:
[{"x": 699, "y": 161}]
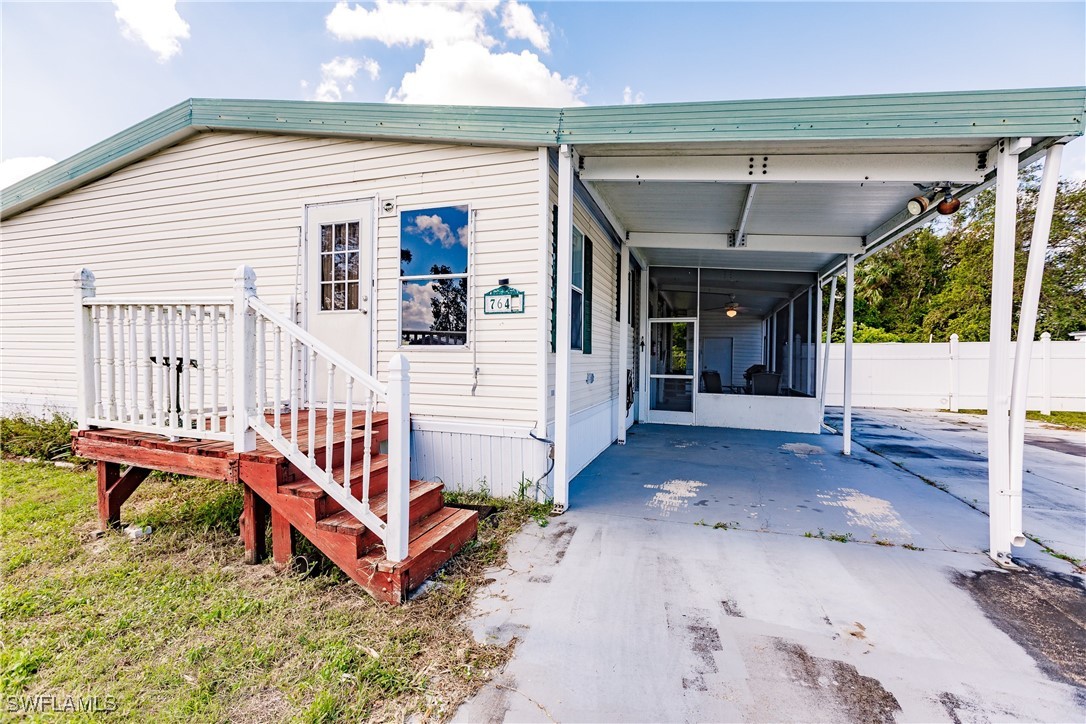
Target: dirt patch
[
  {"x": 264, "y": 705},
  {"x": 559, "y": 540},
  {"x": 1045, "y": 614},
  {"x": 731, "y": 608},
  {"x": 856, "y": 697},
  {"x": 701, "y": 639}
]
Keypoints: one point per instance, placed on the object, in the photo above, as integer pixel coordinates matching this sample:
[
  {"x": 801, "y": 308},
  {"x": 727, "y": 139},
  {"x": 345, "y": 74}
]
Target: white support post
[
  {"x": 816, "y": 321},
  {"x": 1027, "y": 326},
  {"x": 826, "y": 351},
  {"x": 562, "y": 334},
  {"x": 999, "y": 520},
  {"x": 84, "y": 342},
  {"x": 808, "y": 379},
  {"x": 643, "y": 347},
  {"x": 623, "y": 340},
  {"x": 1046, "y": 373},
  {"x": 955, "y": 374},
  {"x": 244, "y": 359},
  {"x": 791, "y": 347},
  {"x": 850, "y": 294},
  {"x": 399, "y": 457}
]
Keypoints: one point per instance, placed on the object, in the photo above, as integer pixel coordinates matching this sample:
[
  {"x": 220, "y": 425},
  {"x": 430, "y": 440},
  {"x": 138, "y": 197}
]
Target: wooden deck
[{"x": 272, "y": 485}]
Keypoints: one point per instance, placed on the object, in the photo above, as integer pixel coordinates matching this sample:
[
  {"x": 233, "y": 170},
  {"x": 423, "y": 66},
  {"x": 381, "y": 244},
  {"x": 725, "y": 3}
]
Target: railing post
[
  {"x": 84, "y": 348},
  {"x": 244, "y": 359},
  {"x": 955, "y": 372},
  {"x": 399, "y": 457}
]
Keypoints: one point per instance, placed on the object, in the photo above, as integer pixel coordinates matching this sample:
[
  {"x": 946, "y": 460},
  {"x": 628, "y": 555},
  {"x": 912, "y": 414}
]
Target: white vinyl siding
[{"x": 180, "y": 222}]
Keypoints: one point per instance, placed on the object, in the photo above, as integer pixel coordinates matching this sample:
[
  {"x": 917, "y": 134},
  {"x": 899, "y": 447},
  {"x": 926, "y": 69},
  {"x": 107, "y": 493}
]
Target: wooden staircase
[
  {"x": 235, "y": 390},
  {"x": 296, "y": 503},
  {"x": 275, "y": 488}
]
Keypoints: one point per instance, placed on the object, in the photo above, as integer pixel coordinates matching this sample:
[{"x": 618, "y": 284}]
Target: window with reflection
[{"x": 434, "y": 276}]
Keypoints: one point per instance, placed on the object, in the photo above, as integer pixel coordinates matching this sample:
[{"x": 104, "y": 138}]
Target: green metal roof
[{"x": 1038, "y": 113}]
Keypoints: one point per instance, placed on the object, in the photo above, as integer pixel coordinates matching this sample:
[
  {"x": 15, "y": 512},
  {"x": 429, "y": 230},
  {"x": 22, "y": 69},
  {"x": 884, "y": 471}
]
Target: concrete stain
[
  {"x": 856, "y": 698},
  {"x": 1043, "y": 612},
  {"x": 673, "y": 494},
  {"x": 866, "y": 510}
]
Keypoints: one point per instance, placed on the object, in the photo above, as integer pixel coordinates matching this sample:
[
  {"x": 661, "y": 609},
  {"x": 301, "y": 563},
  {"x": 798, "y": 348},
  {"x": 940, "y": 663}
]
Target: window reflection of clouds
[{"x": 435, "y": 237}]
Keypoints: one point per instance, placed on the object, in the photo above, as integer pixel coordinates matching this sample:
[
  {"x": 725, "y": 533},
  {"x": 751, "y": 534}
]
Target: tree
[
  {"x": 450, "y": 305},
  {"x": 937, "y": 281}
]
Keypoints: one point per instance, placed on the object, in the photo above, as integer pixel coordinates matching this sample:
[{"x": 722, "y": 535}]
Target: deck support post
[
  {"x": 621, "y": 411},
  {"x": 850, "y": 298},
  {"x": 114, "y": 489},
  {"x": 84, "y": 349},
  {"x": 1000, "y": 520},
  {"x": 282, "y": 540},
  {"x": 244, "y": 359},
  {"x": 563, "y": 306},
  {"x": 1027, "y": 326},
  {"x": 253, "y": 524}
]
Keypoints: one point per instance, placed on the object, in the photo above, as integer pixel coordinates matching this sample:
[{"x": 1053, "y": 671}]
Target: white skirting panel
[
  {"x": 757, "y": 412},
  {"x": 473, "y": 457},
  {"x": 591, "y": 431}
]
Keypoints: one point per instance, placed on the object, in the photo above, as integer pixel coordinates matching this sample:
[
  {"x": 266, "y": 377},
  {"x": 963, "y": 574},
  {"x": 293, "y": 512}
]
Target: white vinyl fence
[{"x": 954, "y": 375}]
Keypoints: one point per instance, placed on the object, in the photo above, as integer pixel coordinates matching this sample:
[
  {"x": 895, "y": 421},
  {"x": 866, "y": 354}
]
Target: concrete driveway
[{"x": 724, "y": 575}]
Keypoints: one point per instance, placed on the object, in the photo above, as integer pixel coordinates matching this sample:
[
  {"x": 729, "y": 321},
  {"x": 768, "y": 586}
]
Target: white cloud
[
  {"x": 411, "y": 23},
  {"x": 416, "y": 312},
  {"x": 466, "y": 73},
  {"x": 519, "y": 21},
  {"x": 18, "y": 168},
  {"x": 154, "y": 23},
  {"x": 630, "y": 98},
  {"x": 336, "y": 76},
  {"x": 432, "y": 228}
]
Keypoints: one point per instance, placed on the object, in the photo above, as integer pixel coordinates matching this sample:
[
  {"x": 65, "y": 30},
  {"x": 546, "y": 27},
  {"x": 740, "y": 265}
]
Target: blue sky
[{"x": 74, "y": 73}]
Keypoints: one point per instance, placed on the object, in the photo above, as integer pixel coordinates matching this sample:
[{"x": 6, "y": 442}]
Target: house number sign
[{"x": 503, "y": 300}]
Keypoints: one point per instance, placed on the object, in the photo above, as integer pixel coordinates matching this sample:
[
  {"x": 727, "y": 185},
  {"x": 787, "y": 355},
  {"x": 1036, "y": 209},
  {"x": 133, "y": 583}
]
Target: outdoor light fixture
[
  {"x": 949, "y": 204},
  {"x": 918, "y": 205}
]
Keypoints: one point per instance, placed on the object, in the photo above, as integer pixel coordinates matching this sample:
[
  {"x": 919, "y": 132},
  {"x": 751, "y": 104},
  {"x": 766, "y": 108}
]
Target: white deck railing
[{"x": 218, "y": 369}]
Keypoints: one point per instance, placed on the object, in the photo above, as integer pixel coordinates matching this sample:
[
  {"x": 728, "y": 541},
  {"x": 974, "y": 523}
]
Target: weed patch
[{"x": 175, "y": 627}]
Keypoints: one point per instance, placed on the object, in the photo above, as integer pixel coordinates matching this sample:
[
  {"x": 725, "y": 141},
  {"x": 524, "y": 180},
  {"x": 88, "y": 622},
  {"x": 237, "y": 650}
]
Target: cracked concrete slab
[{"x": 654, "y": 617}]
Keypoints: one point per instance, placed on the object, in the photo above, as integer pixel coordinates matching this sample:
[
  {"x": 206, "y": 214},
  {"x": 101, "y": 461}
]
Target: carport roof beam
[
  {"x": 754, "y": 242},
  {"x": 962, "y": 168}
]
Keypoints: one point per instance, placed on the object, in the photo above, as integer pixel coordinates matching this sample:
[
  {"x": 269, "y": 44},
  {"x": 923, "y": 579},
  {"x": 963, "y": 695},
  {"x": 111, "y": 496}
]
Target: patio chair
[
  {"x": 710, "y": 380},
  {"x": 765, "y": 383}
]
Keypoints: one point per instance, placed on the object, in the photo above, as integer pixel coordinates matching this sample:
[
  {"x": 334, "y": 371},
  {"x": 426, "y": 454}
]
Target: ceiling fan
[{"x": 732, "y": 308}]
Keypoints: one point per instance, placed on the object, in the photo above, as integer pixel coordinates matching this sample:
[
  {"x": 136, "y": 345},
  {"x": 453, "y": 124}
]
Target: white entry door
[
  {"x": 672, "y": 368},
  {"x": 339, "y": 282}
]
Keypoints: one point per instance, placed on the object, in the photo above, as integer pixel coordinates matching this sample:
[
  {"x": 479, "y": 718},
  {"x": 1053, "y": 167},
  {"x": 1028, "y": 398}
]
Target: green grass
[
  {"x": 1059, "y": 418},
  {"x": 176, "y": 628}
]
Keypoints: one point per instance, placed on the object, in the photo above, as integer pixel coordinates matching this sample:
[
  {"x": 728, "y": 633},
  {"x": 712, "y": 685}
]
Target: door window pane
[
  {"x": 672, "y": 348},
  {"x": 671, "y": 395},
  {"x": 339, "y": 261}
]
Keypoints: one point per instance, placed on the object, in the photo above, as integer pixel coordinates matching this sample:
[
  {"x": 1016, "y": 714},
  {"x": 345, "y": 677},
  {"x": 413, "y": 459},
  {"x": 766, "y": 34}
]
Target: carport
[{"x": 749, "y": 210}]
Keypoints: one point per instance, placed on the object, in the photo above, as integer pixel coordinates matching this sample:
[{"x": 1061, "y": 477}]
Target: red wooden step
[
  {"x": 303, "y": 487},
  {"x": 433, "y": 542},
  {"x": 425, "y": 500}
]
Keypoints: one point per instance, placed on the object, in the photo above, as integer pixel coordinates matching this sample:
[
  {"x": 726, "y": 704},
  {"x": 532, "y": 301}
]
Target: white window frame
[{"x": 467, "y": 277}]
